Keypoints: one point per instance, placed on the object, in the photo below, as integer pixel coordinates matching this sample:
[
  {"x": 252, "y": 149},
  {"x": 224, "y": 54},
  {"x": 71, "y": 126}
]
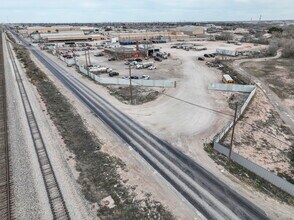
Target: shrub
[{"x": 224, "y": 36}]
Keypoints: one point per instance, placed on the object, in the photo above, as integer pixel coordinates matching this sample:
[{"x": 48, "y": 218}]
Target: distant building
[
  {"x": 126, "y": 52},
  {"x": 211, "y": 28},
  {"x": 241, "y": 31},
  {"x": 196, "y": 31},
  {"x": 147, "y": 36},
  {"x": 121, "y": 53},
  {"x": 67, "y": 36},
  {"x": 51, "y": 29}
]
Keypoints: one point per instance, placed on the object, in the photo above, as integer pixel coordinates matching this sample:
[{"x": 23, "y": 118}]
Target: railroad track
[
  {"x": 6, "y": 200},
  {"x": 204, "y": 191},
  {"x": 57, "y": 204}
]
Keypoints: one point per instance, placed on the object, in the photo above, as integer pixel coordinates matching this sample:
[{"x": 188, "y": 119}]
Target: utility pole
[
  {"x": 89, "y": 57},
  {"x": 74, "y": 55},
  {"x": 86, "y": 59},
  {"x": 234, "y": 124},
  {"x": 87, "y": 67},
  {"x": 57, "y": 50},
  {"x": 131, "y": 89}
]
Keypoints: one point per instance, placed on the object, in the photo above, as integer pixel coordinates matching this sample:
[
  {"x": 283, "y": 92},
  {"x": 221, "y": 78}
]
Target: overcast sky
[{"x": 143, "y": 10}]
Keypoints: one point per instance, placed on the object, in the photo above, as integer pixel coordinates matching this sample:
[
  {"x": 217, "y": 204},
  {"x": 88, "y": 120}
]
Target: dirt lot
[
  {"x": 278, "y": 74},
  {"x": 271, "y": 153}
]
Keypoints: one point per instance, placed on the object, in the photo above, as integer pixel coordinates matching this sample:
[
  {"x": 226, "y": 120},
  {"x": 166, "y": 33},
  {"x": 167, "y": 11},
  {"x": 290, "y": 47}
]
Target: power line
[
  {"x": 199, "y": 106},
  {"x": 223, "y": 113}
]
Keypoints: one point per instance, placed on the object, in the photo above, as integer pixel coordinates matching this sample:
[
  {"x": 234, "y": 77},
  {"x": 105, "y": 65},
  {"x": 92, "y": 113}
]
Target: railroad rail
[
  {"x": 57, "y": 204},
  {"x": 6, "y": 201}
]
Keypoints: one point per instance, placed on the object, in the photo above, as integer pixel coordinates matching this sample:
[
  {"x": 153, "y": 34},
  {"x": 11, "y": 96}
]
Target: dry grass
[
  {"x": 140, "y": 95},
  {"x": 279, "y": 74}
]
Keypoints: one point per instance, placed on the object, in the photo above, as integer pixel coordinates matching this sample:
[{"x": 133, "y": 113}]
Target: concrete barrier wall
[
  {"x": 222, "y": 133},
  {"x": 231, "y": 87},
  {"x": 67, "y": 61},
  {"x": 258, "y": 170},
  {"x": 246, "y": 103}
]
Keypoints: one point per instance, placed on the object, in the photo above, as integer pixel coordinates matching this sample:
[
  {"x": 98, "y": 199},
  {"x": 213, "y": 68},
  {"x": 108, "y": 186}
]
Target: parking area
[{"x": 165, "y": 69}]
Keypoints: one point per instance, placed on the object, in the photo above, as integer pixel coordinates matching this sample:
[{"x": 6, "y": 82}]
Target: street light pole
[
  {"x": 234, "y": 124},
  {"x": 131, "y": 89}
]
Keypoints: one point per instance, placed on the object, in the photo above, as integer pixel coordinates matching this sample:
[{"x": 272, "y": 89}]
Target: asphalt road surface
[{"x": 211, "y": 197}]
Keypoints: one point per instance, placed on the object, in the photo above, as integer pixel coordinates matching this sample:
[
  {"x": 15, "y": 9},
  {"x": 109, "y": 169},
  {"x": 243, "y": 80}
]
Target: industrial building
[
  {"x": 195, "y": 31},
  {"x": 66, "y": 36},
  {"x": 51, "y": 29},
  {"x": 147, "y": 36},
  {"x": 122, "y": 52}
]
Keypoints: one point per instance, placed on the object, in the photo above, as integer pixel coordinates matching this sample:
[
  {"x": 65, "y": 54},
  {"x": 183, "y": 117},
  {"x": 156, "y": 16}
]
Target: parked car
[
  {"x": 157, "y": 59},
  {"x": 146, "y": 77},
  {"x": 98, "y": 54},
  {"x": 111, "y": 59},
  {"x": 111, "y": 74},
  {"x": 139, "y": 66},
  {"x": 138, "y": 60},
  {"x": 206, "y": 55},
  {"x": 201, "y": 58},
  {"x": 151, "y": 68},
  {"x": 133, "y": 63}
]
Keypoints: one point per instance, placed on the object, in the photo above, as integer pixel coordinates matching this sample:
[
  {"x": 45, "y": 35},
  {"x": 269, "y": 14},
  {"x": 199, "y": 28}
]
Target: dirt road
[{"x": 285, "y": 112}]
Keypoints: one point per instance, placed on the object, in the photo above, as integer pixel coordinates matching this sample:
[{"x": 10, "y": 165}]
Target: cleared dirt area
[
  {"x": 278, "y": 74},
  {"x": 265, "y": 140}
]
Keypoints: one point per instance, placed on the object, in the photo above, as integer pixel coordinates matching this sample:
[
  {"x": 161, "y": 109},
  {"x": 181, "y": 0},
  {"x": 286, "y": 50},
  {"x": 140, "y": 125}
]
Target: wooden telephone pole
[
  {"x": 131, "y": 89},
  {"x": 234, "y": 124}
]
